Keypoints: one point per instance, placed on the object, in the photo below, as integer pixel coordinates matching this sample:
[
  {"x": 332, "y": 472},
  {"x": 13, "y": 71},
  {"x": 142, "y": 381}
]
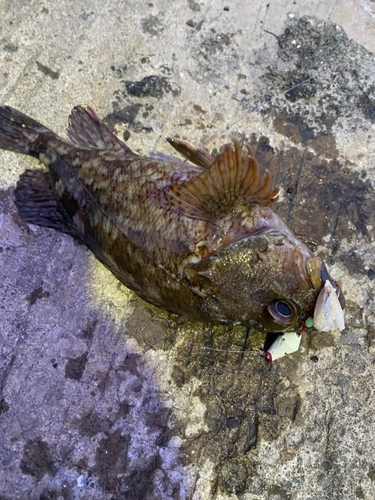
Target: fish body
[{"x": 199, "y": 240}]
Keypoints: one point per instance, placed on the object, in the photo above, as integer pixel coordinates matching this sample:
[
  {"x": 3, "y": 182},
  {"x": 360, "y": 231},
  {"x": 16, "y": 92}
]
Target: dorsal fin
[
  {"x": 87, "y": 129},
  {"x": 231, "y": 181},
  {"x": 196, "y": 154}
]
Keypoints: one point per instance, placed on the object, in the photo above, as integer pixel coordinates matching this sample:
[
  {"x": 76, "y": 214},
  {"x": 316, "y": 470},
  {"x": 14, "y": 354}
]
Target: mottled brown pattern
[{"x": 196, "y": 241}]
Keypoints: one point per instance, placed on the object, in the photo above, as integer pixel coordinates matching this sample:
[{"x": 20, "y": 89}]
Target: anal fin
[
  {"x": 88, "y": 130},
  {"x": 38, "y": 202}
]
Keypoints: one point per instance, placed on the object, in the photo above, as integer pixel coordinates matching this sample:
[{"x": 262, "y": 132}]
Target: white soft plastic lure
[{"x": 328, "y": 314}]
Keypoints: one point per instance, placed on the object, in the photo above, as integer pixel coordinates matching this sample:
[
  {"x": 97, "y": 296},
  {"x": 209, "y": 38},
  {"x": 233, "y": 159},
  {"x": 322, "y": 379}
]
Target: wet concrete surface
[{"x": 105, "y": 397}]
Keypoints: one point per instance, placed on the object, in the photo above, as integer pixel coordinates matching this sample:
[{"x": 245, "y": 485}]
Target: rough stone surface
[{"x": 101, "y": 395}]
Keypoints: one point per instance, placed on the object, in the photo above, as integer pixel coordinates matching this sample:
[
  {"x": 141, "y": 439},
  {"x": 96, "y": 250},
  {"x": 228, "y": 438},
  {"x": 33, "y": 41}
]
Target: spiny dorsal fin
[
  {"x": 231, "y": 181},
  {"x": 196, "y": 154},
  {"x": 87, "y": 129}
]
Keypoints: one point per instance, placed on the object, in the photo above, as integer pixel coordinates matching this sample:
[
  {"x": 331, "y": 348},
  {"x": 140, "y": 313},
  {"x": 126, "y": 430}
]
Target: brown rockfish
[{"x": 197, "y": 239}]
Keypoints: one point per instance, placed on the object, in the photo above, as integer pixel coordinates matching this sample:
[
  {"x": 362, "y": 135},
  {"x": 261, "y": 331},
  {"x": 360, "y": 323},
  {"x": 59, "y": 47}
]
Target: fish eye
[
  {"x": 283, "y": 309},
  {"x": 279, "y": 313}
]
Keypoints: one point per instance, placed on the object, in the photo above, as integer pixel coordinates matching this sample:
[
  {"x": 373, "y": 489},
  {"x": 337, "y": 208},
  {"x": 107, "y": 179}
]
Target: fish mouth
[{"x": 330, "y": 304}]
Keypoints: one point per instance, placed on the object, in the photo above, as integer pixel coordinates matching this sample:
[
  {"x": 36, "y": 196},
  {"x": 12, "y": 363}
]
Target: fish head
[
  {"x": 320, "y": 304},
  {"x": 254, "y": 270},
  {"x": 270, "y": 280}
]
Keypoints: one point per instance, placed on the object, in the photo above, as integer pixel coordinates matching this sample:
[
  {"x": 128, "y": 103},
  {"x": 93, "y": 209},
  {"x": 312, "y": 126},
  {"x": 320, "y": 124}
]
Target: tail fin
[
  {"x": 20, "y": 133},
  {"x": 38, "y": 202}
]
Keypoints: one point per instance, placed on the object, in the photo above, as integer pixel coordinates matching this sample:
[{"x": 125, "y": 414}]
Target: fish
[{"x": 197, "y": 238}]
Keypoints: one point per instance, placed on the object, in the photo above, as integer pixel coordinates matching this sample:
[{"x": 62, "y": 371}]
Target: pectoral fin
[{"x": 231, "y": 181}]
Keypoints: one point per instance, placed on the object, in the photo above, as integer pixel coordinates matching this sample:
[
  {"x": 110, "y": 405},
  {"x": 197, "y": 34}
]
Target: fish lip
[{"x": 314, "y": 269}]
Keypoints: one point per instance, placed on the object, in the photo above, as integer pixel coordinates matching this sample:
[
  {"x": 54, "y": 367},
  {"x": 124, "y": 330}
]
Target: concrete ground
[{"x": 104, "y": 397}]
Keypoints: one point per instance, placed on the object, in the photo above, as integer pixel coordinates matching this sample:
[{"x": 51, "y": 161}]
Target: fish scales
[{"x": 197, "y": 239}]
